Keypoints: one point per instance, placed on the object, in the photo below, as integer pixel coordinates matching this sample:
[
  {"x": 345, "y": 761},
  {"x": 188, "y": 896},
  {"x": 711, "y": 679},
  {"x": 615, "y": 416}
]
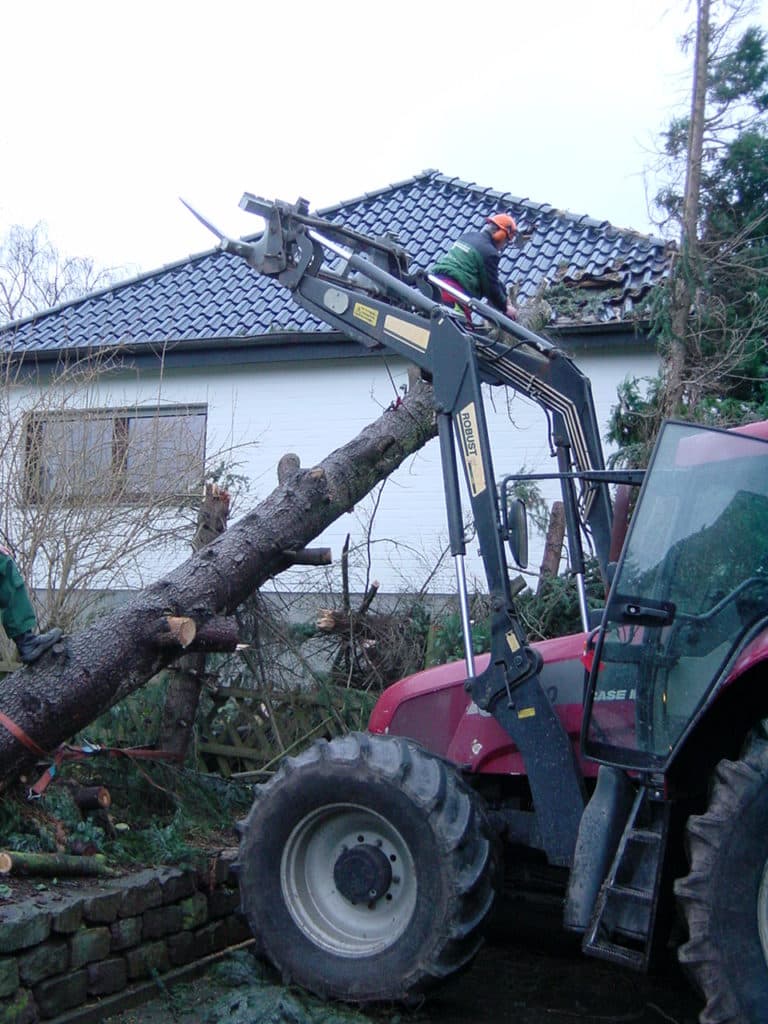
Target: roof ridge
[
  {"x": 544, "y": 208},
  {"x": 498, "y": 197},
  {"x": 393, "y": 186}
]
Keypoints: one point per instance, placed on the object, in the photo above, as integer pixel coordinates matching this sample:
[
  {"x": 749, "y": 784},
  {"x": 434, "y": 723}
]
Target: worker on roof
[
  {"x": 472, "y": 264},
  {"x": 18, "y": 615}
]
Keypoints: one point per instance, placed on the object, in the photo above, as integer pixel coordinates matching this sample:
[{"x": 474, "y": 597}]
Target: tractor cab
[{"x": 690, "y": 591}]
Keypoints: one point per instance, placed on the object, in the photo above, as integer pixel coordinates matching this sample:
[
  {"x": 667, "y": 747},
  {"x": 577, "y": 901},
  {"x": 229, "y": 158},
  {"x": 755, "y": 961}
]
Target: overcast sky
[{"x": 113, "y": 110}]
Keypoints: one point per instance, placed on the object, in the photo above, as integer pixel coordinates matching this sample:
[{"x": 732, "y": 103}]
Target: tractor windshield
[{"x": 691, "y": 584}]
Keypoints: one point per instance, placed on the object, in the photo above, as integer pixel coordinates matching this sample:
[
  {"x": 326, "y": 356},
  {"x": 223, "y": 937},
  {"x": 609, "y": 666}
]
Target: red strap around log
[
  {"x": 18, "y": 733},
  {"x": 68, "y": 753}
]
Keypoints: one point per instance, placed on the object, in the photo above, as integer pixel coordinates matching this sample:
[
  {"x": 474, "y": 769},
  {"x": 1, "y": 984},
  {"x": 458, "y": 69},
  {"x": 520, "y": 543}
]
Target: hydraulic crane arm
[
  {"x": 362, "y": 288},
  {"x": 386, "y": 306}
]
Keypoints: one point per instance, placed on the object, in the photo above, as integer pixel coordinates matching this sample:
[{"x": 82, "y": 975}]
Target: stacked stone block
[{"x": 60, "y": 952}]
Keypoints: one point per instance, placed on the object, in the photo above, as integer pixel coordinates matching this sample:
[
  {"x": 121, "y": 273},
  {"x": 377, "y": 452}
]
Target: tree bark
[
  {"x": 685, "y": 269},
  {"x": 310, "y": 556},
  {"x": 692, "y": 198},
  {"x": 186, "y": 675},
  {"x": 553, "y": 546},
  {"x": 62, "y": 693}
]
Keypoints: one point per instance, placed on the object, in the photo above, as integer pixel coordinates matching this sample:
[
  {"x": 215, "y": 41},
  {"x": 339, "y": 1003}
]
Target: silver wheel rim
[
  {"x": 319, "y": 910},
  {"x": 762, "y": 912}
]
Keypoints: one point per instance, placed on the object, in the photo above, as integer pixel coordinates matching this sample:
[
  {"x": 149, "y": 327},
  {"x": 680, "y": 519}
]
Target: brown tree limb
[
  {"x": 310, "y": 556},
  {"x": 553, "y": 546},
  {"x": 218, "y": 634},
  {"x": 185, "y": 677},
  {"x": 365, "y": 604},
  {"x": 681, "y": 274},
  {"x": 288, "y": 469},
  {"x": 332, "y": 620}
]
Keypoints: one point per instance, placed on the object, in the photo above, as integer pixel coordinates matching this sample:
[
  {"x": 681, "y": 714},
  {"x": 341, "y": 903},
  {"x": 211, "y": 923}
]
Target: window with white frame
[{"x": 127, "y": 455}]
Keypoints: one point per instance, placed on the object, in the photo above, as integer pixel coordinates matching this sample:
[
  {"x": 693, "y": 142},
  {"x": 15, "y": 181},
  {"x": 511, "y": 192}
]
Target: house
[{"x": 209, "y": 361}]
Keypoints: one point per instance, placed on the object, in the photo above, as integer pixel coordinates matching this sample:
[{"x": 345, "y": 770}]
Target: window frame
[{"x": 120, "y": 490}]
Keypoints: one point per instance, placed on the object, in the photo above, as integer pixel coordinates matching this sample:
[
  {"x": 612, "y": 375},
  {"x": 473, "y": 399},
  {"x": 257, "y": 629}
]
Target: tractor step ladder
[{"x": 622, "y": 925}]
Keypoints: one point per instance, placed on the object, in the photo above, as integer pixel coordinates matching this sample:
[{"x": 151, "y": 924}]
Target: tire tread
[
  {"x": 735, "y": 785},
  {"x": 456, "y": 818}
]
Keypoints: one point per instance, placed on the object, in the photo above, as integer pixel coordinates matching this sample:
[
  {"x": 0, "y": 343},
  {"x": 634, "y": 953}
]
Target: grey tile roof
[{"x": 215, "y": 296}]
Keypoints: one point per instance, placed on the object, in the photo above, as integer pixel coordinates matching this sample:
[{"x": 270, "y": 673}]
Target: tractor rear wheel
[
  {"x": 725, "y": 896},
  {"x": 366, "y": 870}
]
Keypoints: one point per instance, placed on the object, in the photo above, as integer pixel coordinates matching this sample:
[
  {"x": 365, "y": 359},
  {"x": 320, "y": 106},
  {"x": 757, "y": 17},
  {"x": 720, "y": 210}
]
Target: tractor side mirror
[{"x": 517, "y": 530}]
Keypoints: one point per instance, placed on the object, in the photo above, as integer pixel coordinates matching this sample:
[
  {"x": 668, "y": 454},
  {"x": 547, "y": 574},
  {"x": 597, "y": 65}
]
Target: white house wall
[{"x": 257, "y": 412}]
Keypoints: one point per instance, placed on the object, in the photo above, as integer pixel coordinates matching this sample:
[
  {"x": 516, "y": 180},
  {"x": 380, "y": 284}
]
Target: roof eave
[{"x": 310, "y": 345}]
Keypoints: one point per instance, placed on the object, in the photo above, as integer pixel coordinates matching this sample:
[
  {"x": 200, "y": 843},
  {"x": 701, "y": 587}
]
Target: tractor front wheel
[
  {"x": 724, "y": 898},
  {"x": 366, "y": 870}
]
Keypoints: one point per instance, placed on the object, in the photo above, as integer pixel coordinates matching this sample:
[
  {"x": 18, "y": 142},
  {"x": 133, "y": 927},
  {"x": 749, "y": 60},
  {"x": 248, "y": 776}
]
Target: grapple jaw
[
  {"x": 270, "y": 253},
  {"x": 274, "y": 252}
]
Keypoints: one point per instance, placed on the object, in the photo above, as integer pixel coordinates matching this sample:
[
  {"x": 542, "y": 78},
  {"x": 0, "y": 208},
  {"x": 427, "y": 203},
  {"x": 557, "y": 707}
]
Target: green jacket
[{"x": 473, "y": 262}]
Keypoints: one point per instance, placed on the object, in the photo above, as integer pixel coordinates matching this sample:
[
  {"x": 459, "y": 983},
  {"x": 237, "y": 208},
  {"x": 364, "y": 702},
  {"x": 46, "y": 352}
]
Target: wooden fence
[{"x": 246, "y": 732}]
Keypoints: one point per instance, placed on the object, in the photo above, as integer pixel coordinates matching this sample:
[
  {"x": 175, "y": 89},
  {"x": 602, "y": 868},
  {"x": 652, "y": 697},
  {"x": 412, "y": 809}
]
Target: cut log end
[
  {"x": 175, "y": 631},
  {"x": 91, "y": 798}
]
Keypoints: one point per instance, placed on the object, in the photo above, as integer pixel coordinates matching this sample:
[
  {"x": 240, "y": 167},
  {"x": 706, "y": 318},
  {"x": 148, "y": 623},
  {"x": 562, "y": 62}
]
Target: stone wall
[{"x": 76, "y": 949}]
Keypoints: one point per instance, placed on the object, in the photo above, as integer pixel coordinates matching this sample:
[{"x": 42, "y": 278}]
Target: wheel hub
[
  {"x": 323, "y": 869},
  {"x": 362, "y": 873}
]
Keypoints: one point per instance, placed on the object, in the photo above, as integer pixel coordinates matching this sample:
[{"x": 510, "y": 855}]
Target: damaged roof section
[
  {"x": 618, "y": 292},
  {"x": 579, "y": 271}
]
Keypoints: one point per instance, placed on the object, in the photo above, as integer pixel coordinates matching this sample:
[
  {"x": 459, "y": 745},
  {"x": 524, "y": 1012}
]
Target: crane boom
[{"x": 363, "y": 288}]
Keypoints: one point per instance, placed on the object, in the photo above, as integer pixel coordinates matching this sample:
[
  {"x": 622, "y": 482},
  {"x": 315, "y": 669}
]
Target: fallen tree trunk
[{"x": 115, "y": 655}]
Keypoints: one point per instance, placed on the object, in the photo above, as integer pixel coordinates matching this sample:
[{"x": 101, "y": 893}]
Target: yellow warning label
[
  {"x": 526, "y": 713},
  {"x": 410, "y": 333},
  {"x": 367, "y": 314},
  {"x": 470, "y": 446},
  {"x": 513, "y": 642}
]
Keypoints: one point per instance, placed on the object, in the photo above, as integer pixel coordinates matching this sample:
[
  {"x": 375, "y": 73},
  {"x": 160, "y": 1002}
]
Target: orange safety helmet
[{"x": 505, "y": 225}]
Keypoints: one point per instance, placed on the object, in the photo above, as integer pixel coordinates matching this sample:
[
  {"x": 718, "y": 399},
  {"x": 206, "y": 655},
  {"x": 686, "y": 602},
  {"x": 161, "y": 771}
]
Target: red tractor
[{"x": 630, "y": 761}]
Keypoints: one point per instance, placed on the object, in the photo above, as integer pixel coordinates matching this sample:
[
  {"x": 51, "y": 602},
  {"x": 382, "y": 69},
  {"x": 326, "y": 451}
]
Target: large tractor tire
[
  {"x": 725, "y": 897},
  {"x": 366, "y": 871}
]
